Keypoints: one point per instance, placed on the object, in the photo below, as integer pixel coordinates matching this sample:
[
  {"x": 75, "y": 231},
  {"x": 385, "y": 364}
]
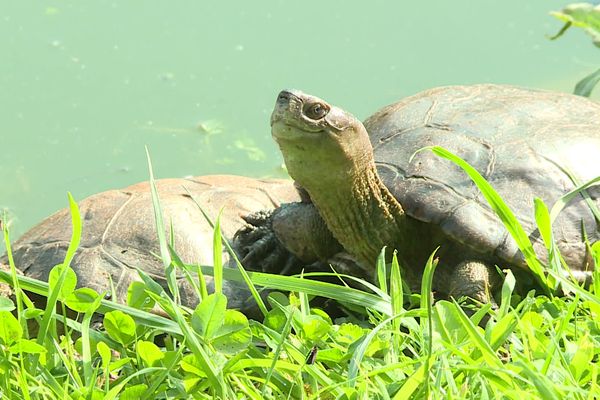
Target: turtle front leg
[
  {"x": 258, "y": 247},
  {"x": 475, "y": 280},
  {"x": 285, "y": 239}
]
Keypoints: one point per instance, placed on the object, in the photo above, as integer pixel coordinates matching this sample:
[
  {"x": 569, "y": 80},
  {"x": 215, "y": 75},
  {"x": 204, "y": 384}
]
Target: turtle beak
[
  {"x": 287, "y": 94},
  {"x": 288, "y": 105}
]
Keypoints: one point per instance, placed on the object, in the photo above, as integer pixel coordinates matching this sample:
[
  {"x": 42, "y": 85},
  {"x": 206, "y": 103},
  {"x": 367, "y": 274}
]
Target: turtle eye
[{"x": 316, "y": 110}]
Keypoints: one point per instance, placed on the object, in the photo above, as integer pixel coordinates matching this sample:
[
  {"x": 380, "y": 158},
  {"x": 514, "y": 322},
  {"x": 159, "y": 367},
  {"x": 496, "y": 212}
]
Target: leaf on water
[
  {"x": 249, "y": 147},
  {"x": 210, "y": 127}
]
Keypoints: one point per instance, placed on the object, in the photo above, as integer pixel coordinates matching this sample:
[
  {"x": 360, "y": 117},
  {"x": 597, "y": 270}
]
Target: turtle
[
  {"x": 374, "y": 185},
  {"x": 119, "y": 233}
]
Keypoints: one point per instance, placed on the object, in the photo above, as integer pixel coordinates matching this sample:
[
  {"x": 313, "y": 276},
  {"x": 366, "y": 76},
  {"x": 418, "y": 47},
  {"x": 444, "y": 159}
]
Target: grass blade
[
  {"x": 308, "y": 286},
  {"x": 14, "y": 281},
  {"x": 76, "y": 231},
  {"x": 158, "y": 218},
  {"x": 86, "y": 356},
  {"x": 396, "y": 291},
  {"x": 585, "y": 86},
  {"x": 426, "y": 304},
  {"x": 427, "y": 297},
  {"x": 356, "y": 360},
  {"x": 477, "y": 339},
  {"x": 246, "y": 278},
  {"x": 141, "y": 317},
  {"x": 381, "y": 271},
  {"x": 165, "y": 254},
  {"x": 544, "y": 224},
  {"x": 218, "y": 254},
  {"x": 285, "y": 333},
  {"x": 55, "y": 291},
  {"x": 562, "y": 202},
  {"x": 213, "y": 375},
  {"x": 505, "y": 214}
]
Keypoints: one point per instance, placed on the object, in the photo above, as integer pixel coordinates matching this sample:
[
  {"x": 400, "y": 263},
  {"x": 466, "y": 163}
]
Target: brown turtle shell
[
  {"x": 119, "y": 233},
  {"x": 524, "y": 142}
]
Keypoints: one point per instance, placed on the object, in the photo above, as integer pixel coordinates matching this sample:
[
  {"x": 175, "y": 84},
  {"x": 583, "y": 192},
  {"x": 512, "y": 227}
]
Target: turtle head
[{"x": 321, "y": 143}]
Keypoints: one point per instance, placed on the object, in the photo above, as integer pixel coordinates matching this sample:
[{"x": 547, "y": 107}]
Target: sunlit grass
[{"x": 533, "y": 345}]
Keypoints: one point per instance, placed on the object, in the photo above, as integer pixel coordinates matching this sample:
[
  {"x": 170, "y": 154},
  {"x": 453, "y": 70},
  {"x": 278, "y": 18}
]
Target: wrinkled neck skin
[{"x": 358, "y": 209}]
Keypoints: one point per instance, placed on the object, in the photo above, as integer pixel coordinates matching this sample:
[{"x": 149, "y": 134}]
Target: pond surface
[{"x": 86, "y": 85}]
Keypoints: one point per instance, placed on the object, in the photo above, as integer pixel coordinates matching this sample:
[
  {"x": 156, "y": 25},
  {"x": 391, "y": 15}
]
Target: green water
[{"x": 86, "y": 85}]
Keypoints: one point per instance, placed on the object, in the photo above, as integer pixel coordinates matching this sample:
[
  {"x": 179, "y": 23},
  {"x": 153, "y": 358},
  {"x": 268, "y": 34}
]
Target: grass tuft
[{"x": 388, "y": 347}]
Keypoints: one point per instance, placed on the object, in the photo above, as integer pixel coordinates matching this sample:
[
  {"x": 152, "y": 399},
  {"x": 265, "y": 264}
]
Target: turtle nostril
[{"x": 283, "y": 96}]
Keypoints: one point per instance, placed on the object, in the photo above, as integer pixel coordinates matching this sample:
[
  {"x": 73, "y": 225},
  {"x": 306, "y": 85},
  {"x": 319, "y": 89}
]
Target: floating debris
[
  {"x": 167, "y": 77},
  {"x": 149, "y": 126},
  {"x": 253, "y": 152},
  {"x": 206, "y": 128},
  {"x": 225, "y": 161},
  {"x": 210, "y": 127}
]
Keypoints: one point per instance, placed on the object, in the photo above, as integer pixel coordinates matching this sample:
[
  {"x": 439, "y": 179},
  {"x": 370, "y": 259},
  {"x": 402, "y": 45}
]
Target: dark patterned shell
[
  {"x": 522, "y": 141},
  {"x": 119, "y": 231}
]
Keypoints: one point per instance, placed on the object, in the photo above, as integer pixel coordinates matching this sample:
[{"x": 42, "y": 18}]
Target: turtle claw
[
  {"x": 259, "y": 218},
  {"x": 260, "y": 249},
  {"x": 254, "y": 255}
]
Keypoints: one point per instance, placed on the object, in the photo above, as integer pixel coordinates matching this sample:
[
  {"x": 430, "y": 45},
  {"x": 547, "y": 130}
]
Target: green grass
[{"x": 391, "y": 345}]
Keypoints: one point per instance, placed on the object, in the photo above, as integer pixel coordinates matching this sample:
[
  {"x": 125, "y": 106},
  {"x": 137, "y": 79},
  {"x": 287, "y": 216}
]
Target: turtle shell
[
  {"x": 119, "y": 233},
  {"x": 524, "y": 142}
]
